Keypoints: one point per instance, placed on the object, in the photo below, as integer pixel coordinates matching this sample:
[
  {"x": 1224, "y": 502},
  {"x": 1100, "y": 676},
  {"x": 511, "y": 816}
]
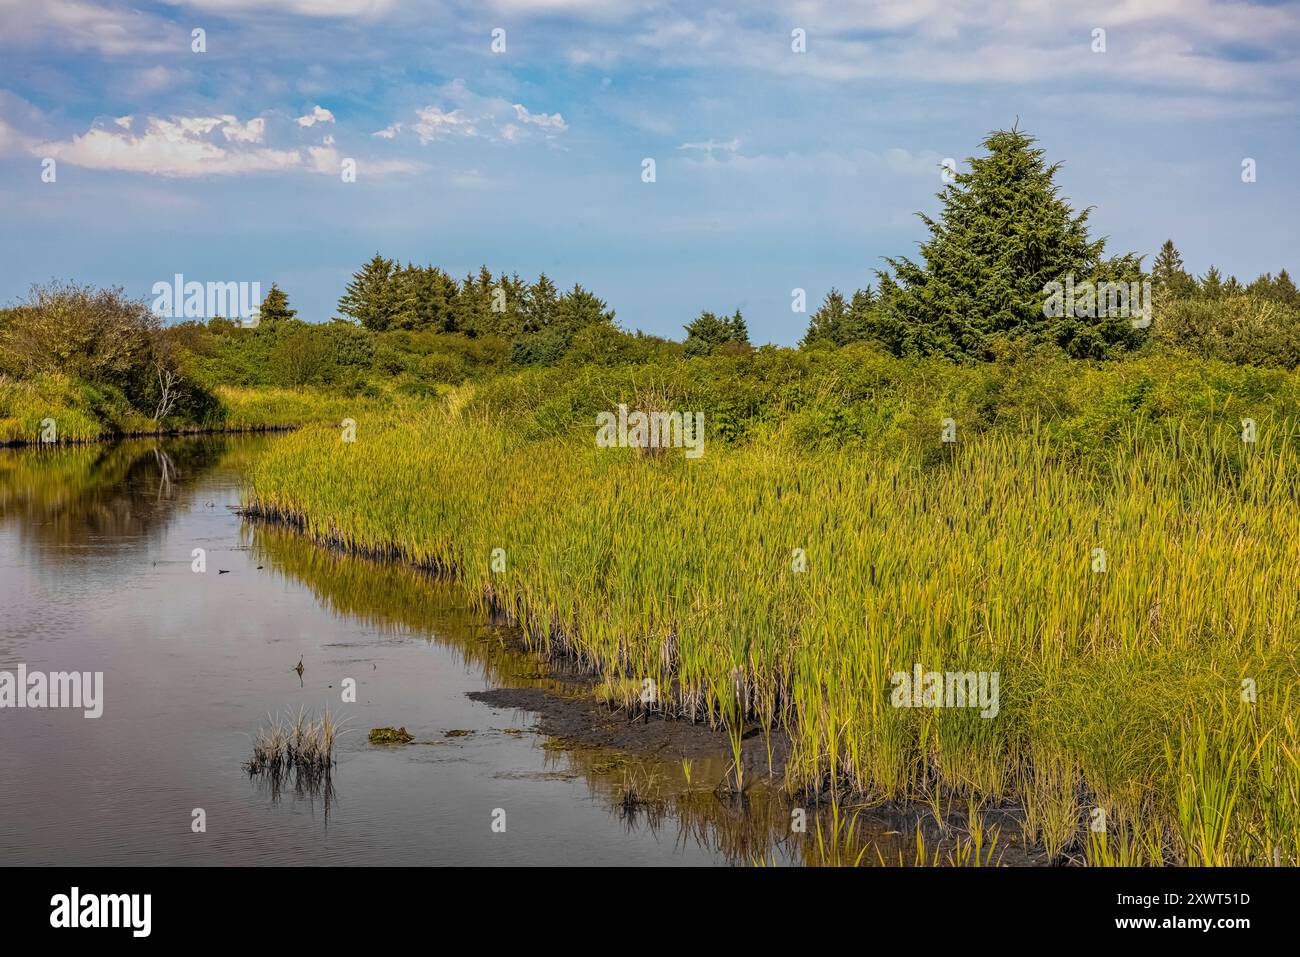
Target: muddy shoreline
[{"x": 584, "y": 721}]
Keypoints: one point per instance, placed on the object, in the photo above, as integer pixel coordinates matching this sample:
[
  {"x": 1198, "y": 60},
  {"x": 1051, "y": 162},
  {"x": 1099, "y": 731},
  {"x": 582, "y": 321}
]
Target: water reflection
[{"x": 124, "y": 494}]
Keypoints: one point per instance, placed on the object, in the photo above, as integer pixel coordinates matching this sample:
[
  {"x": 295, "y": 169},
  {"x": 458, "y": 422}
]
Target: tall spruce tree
[
  {"x": 424, "y": 297},
  {"x": 540, "y": 305},
  {"x": 737, "y": 330},
  {"x": 708, "y": 333},
  {"x": 579, "y": 308},
  {"x": 474, "y": 304},
  {"x": 705, "y": 334},
  {"x": 370, "y": 297},
  {"x": 1004, "y": 234},
  {"x": 830, "y": 323},
  {"x": 1284, "y": 290},
  {"x": 275, "y": 307},
  {"x": 1212, "y": 284},
  {"x": 861, "y": 308},
  {"x": 1168, "y": 277}
]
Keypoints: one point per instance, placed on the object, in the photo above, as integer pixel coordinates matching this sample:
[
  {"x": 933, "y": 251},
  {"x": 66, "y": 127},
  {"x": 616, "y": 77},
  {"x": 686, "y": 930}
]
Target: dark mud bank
[{"x": 584, "y": 721}]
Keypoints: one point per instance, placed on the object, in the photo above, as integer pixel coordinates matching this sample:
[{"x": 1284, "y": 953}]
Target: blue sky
[{"x": 774, "y": 169}]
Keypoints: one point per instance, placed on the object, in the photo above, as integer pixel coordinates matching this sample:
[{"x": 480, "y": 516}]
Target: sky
[{"x": 515, "y": 133}]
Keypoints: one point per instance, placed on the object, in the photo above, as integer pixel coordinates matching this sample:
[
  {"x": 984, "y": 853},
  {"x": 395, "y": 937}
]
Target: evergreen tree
[
  {"x": 1212, "y": 284},
  {"x": 424, "y": 297},
  {"x": 1004, "y": 234},
  {"x": 509, "y": 295},
  {"x": 861, "y": 310},
  {"x": 830, "y": 323},
  {"x": 275, "y": 307},
  {"x": 551, "y": 323},
  {"x": 705, "y": 334},
  {"x": 540, "y": 305},
  {"x": 737, "y": 331},
  {"x": 578, "y": 309},
  {"x": 1262, "y": 286},
  {"x": 708, "y": 333},
  {"x": 1168, "y": 275},
  {"x": 370, "y": 296},
  {"x": 1284, "y": 290},
  {"x": 473, "y": 305}
]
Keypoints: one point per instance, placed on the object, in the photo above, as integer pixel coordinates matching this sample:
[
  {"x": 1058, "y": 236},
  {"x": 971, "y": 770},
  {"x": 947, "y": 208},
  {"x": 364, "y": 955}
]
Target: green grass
[
  {"x": 269, "y": 407},
  {"x": 85, "y": 413},
  {"x": 1120, "y": 690},
  {"x": 80, "y": 413}
]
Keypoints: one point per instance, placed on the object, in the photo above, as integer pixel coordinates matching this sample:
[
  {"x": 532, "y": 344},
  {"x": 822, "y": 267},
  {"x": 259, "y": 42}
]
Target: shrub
[
  {"x": 300, "y": 356},
  {"x": 1244, "y": 328}
]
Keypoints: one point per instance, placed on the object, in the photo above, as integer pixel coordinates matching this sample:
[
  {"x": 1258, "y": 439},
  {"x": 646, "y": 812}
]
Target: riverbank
[{"x": 54, "y": 412}]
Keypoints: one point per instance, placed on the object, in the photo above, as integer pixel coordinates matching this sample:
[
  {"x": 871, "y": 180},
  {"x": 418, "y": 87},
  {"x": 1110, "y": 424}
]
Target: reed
[
  {"x": 295, "y": 744},
  {"x": 975, "y": 557}
]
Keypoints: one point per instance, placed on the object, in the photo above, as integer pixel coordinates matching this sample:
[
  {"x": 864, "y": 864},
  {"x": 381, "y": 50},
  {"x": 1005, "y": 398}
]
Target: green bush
[{"x": 1243, "y": 328}]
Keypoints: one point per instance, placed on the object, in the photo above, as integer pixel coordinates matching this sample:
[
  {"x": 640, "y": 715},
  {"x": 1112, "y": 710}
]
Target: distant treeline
[
  {"x": 541, "y": 323},
  {"x": 976, "y": 293}
]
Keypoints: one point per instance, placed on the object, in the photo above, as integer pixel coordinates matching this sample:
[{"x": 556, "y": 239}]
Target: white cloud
[
  {"x": 327, "y": 160},
  {"x": 1177, "y": 48},
  {"x": 318, "y": 114},
  {"x": 546, "y": 121},
  {"x": 188, "y": 146},
  {"x": 179, "y": 146},
  {"x": 254, "y": 131},
  {"x": 435, "y": 122},
  {"x": 730, "y": 146},
  {"x": 85, "y": 25},
  {"x": 1185, "y": 44},
  {"x": 150, "y": 80},
  {"x": 466, "y": 114}
]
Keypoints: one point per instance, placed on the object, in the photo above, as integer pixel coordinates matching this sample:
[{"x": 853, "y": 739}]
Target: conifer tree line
[
  {"x": 974, "y": 292},
  {"x": 1004, "y": 233},
  {"x": 384, "y": 296}
]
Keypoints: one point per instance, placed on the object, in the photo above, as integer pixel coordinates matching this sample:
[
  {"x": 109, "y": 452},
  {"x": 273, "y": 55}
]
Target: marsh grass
[
  {"x": 979, "y": 559},
  {"x": 295, "y": 746}
]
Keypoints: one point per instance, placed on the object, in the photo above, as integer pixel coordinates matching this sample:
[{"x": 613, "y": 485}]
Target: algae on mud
[{"x": 390, "y": 736}]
